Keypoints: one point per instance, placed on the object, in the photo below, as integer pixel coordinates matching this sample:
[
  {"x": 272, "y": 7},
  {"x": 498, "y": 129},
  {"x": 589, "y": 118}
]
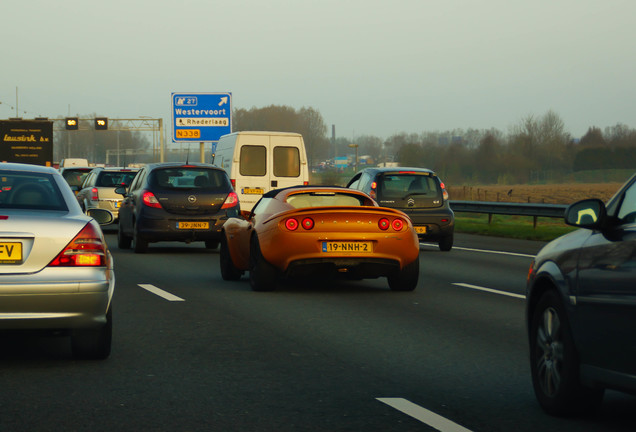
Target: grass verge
[{"x": 519, "y": 227}]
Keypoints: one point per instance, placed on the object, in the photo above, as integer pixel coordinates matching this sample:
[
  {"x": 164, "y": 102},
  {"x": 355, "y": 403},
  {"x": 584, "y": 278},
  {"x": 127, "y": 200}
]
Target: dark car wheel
[
  {"x": 554, "y": 362},
  {"x": 405, "y": 279},
  {"x": 262, "y": 274},
  {"x": 228, "y": 271},
  {"x": 446, "y": 243},
  {"x": 140, "y": 244},
  {"x": 94, "y": 343},
  {"x": 123, "y": 241}
]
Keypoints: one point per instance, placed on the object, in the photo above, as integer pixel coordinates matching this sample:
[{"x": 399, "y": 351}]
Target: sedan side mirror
[{"x": 588, "y": 213}]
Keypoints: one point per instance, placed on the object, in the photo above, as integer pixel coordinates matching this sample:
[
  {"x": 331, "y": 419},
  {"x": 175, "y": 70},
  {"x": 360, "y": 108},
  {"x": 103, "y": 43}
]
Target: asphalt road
[{"x": 203, "y": 354}]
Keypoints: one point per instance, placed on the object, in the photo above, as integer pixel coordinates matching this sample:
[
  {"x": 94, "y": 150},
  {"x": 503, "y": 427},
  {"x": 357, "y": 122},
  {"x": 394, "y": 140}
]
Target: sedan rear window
[{"x": 32, "y": 191}]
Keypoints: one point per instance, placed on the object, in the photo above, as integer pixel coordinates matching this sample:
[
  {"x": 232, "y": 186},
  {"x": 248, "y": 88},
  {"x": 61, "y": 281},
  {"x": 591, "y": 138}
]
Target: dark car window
[
  {"x": 397, "y": 186},
  {"x": 30, "y": 191},
  {"x": 189, "y": 178},
  {"x": 627, "y": 212}
]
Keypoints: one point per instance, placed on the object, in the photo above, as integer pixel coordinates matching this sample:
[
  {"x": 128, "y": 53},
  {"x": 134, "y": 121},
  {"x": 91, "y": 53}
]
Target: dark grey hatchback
[
  {"x": 172, "y": 201},
  {"x": 418, "y": 192},
  {"x": 581, "y": 307}
]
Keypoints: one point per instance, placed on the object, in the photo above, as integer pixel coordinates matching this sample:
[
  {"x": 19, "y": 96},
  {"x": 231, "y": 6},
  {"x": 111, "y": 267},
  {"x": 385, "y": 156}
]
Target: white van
[{"x": 260, "y": 161}]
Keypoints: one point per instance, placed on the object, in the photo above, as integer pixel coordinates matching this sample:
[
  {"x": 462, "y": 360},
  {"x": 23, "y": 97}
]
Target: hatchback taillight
[
  {"x": 86, "y": 250},
  {"x": 94, "y": 194},
  {"x": 150, "y": 199},
  {"x": 230, "y": 201}
]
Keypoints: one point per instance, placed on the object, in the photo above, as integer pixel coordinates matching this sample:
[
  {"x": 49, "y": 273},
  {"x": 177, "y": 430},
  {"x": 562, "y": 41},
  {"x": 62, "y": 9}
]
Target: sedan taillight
[
  {"x": 86, "y": 250},
  {"x": 150, "y": 200}
]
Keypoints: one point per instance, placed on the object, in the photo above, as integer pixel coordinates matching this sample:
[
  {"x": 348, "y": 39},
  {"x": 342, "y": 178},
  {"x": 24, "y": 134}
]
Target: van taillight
[
  {"x": 305, "y": 183},
  {"x": 233, "y": 181},
  {"x": 86, "y": 250}
]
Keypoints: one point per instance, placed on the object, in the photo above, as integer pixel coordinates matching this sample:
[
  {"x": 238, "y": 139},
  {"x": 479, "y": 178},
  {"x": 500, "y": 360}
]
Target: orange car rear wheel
[
  {"x": 262, "y": 274},
  {"x": 405, "y": 279},
  {"x": 229, "y": 272}
]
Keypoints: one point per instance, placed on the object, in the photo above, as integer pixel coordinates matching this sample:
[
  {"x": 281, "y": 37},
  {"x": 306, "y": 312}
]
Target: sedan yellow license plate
[
  {"x": 358, "y": 247},
  {"x": 253, "y": 191},
  {"x": 193, "y": 225},
  {"x": 10, "y": 252},
  {"x": 420, "y": 229}
]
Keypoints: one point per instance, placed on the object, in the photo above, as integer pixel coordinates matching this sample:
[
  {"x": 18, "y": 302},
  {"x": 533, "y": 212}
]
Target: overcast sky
[{"x": 370, "y": 67}]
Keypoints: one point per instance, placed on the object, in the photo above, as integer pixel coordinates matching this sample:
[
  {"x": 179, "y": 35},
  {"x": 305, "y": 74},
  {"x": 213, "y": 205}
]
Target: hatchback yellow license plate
[
  {"x": 253, "y": 191},
  {"x": 10, "y": 252},
  {"x": 193, "y": 225},
  {"x": 358, "y": 247},
  {"x": 420, "y": 229}
]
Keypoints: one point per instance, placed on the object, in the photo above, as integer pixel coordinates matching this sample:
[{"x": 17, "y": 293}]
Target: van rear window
[
  {"x": 253, "y": 161},
  {"x": 286, "y": 162}
]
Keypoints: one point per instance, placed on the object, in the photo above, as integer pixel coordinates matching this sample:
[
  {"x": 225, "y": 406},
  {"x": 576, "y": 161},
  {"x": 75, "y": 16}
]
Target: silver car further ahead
[{"x": 56, "y": 272}]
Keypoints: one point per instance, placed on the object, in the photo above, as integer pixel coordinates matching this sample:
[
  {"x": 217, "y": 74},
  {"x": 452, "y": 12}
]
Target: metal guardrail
[{"x": 535, "y": 210}]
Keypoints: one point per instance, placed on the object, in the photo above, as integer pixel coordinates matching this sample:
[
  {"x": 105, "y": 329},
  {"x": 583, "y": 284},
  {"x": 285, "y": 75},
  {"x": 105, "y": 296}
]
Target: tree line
[{"x": 536, "y": 149}]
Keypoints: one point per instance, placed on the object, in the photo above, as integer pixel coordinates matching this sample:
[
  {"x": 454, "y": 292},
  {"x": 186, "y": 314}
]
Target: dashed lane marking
[{"x": 161, "y": 293}]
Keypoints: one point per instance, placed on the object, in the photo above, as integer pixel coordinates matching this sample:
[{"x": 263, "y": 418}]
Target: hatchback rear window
[
  {"x": 189, "y": 178},
  {"x": 32, "y": 191},
  {"x": 394, "y": 186}
]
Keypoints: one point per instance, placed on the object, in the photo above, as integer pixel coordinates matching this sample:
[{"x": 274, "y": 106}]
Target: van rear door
[{"x": 288, "y": 162}]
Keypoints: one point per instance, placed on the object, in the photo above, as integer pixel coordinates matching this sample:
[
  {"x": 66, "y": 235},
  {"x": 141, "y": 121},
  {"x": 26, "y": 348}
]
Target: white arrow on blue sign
[{"x": 201, "y": 117}]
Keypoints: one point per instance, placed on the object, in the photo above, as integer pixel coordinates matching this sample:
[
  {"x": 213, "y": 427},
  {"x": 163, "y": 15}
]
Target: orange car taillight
[
  {"x": 384, "y": 224},
  {"x": 94, "y": 194},
  {"x": 150, "y": 200},
  {"x": 291, "y": 224},
  {"x": 307, "y": 223},
  {"x": 86, "y": 250},
  {"x": 230, "y": 201},
  {"x": 397, "y": 224}
]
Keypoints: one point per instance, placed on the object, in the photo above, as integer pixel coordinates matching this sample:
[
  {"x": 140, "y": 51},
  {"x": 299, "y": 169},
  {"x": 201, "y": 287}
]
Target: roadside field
[{"x": 549, "y": 194}]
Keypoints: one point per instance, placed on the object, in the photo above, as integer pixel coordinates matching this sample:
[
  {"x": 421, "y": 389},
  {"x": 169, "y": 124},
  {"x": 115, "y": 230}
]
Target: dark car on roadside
[
  {"x": 418, "y": 192},
  {"x": 173, "y": 201},
  {"x": 581, "y": 307}
]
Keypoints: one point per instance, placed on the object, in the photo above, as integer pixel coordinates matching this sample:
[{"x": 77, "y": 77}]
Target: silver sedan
[{"x": 56, "y": 272}]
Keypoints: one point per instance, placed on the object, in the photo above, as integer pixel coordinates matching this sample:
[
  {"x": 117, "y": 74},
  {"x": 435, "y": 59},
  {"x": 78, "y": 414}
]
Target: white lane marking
[
  {"x": 483, "y": 251},
  {"x": 490, "y": 290},
  {"x": 161, "y": 293},
  {"x": 436, "y": 421}
]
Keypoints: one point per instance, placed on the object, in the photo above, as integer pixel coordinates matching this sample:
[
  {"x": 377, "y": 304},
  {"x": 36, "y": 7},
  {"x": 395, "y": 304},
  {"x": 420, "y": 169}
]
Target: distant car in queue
[
  {"x": 307, "y": 231},
  {"x": 56, "y": 271},
  {"x": 172, "y": 201},
  {"x": 75, "y": 175},
  {"x": 98, "y": 188},
  {"x": 419, "y": 193}
]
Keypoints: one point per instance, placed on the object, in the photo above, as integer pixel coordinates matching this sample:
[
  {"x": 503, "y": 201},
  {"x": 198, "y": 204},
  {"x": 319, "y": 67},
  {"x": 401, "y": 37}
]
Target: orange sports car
[{"x": 306, "y": 231}]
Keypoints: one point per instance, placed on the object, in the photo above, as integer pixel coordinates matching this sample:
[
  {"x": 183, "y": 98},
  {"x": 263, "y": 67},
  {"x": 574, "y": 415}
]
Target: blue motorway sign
[{"x": 201, "y": 117}]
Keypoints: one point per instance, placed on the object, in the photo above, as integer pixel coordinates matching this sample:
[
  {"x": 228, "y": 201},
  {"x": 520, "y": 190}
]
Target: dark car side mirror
[
  {"x": 121, "y": 190},
  {"x": 589, "y": 213}
]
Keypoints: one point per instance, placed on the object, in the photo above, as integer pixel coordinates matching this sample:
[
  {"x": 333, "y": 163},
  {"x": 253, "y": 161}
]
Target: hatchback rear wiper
[{"x": 414, "y": 193}]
